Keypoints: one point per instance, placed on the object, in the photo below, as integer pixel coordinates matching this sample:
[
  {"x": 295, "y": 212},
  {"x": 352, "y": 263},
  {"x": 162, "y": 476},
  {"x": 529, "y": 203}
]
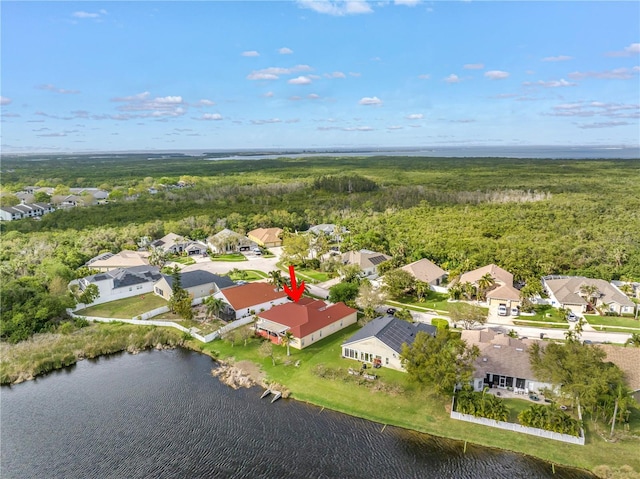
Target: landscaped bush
[
  {"x": 551, "y": 418},
  {"x": 440, "y": 323},
  {"x": 481, "y": 404}
]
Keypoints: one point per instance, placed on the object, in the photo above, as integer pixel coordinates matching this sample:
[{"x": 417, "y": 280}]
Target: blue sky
[{"x": 90, "y": 76}]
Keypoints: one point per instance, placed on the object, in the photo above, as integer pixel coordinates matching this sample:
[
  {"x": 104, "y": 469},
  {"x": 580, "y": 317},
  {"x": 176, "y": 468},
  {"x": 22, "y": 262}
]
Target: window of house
[
  {"x": 320, "y": 333},
  {"x": 386, "y": 360}
]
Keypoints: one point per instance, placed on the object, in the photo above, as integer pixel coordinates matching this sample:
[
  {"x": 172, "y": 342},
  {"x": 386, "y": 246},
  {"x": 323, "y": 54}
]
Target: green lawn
[
  {"x": 125, "y": 308},
  {"x": 540, "y": 324},
  {"x": 251, "y": 275},
  {"x": 393, "y": 400},
  {"x": 316, "y": 276},
  {"x": 548, "y": 316},
  {"x": 228, "y": 257},
  {"x": 594, "y": 320},
  {"x": 185, "y": 260},
  {"x": 433, "y": 301}
]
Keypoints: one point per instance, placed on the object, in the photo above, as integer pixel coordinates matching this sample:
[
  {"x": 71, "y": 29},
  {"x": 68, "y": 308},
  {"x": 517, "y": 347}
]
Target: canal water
[{"x": 161, "y": 414}]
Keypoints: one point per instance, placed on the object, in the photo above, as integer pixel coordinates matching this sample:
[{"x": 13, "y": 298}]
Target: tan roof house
[
  {"x": 309, "y": 320},
  {"x": 503, "y": 362},
  {"x": 227, "y": 241},
  {"x": 500, "y": 276},
  {"x": 570, "y": 292},
  {"x": 627, "y": 359},
  {"x": 176, "y": 244},
  {"x": 123, "y": 259},
  {"x": 505, "y": 295},
  {"x": 367, "y": 260},
  {"x": 251, "y": 298},
  {"x": 426, "y": 271},
  {"x": 266, "y": 237}
]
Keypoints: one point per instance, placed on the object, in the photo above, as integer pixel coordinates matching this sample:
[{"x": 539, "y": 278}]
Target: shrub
[{"x": 440, "y": 323}]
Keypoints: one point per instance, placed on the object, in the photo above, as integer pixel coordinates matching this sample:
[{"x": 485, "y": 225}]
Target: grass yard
[
  {"x": 312, "y": 274},
  {"x": 125, "y": 308},
  {"x": 433, "y": 301},
  {"x": 228, "y": 257},
  {"x": 536, "y": 324},
  {"x": 393, "y": 400},
  {"x": 551, "y": 315},
  {"x": 185, "y": 260},
  {"x": 249, "y": 275},
  {"x": 615, "y": 321}
]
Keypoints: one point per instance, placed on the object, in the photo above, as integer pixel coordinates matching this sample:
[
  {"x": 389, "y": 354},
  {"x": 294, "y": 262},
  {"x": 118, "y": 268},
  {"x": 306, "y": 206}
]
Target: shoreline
[{"x": 248, "y": 373}]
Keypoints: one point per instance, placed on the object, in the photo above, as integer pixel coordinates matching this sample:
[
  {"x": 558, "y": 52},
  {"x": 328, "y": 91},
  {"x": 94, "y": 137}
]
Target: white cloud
[
  {"x": 559, "y": 58},
  {"x": 453, "y": 78},
  {"x": 603, "y": 124},
  {"x": 269, "y": 94},
  {"x": 616, "y": 74},
  {"x": 159, "y": 107},
  {"x": 54, "y": 89},
  {"x": 407, "y": 3},
  {"x": 338, "y": 8},
  {"x": 250, "y": 53},
  {"x": 395, "y": 127},
  {"x": 632, "y": 49},
  {"x": 4, "y": 100},
  {"x": 424, "y": 76},
  {"x": 82, "y": 14},
  {"x": 473, "y": 66},
  {"x": 415, "y": 116},
  {"x": 285, "y": 51},
  {"x": 295, "y": 98},
  {"x": 596, "y": 108},
  {"x": 313, "y": 96},
  {"x": 357, "y": 128},
  {"x": 550, "y": 84},
  {"x": 496, "y": 75},
  {"x": 273, "y": 73},
  {"x": 211, "y": 116},
  {"x": 205, "y": 102},
  {"x": 374, "y": 100},
  {"x": 262, "y": 122},
  {"x": 335, "y": 75},
  {"x": 301, "y": 80}
]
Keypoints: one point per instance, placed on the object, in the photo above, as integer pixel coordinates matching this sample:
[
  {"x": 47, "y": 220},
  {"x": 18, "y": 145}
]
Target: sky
[{"x": 110, "y": 76}]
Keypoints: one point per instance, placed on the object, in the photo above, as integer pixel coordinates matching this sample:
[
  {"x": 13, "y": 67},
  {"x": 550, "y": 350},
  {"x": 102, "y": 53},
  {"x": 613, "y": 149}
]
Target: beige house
[
  {"x": 499, "y": 275},
  {"x": 309, "y": 320},
  {"x": 507, "y": 296},
  {"x": 123, "y": 259},
  {"x": 227, "y": 241},
  {"x": 380, "y": 341},
  {"x": 266, "y": 237},
  {"x": 197, "y": 283},
  {"x": 503, "y": 362},
  {"x": 368, "y": 261},
  {"x": 570, "y": 292},
  {"x": 426, "y": 271}
]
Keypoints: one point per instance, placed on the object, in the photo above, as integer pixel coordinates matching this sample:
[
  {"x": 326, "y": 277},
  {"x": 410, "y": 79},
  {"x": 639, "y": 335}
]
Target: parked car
[
  {"x": 515, "y": 312},
  {"x": 572, "y": 316},
  {"x": 502, "y": 310},
  {"x": 391, "y": 311}
]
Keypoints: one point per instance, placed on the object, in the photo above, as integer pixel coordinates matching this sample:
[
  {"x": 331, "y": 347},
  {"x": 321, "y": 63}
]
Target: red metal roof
[
  {"x": 251, "y": 294},
  {"x": 306, "y": 316}
]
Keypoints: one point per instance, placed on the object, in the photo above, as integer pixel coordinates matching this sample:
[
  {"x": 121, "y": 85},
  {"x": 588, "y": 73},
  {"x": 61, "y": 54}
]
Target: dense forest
[{"x": 530, "y": 216}]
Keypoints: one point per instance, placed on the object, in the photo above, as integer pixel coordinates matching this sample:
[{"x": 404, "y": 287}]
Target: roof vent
[{"x": 519, "y": 349}]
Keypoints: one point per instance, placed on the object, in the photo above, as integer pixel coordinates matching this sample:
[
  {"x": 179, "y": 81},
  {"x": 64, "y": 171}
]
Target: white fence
[
  {"x": 169, "y": 324},
  {"x": 509, "y": 426}
]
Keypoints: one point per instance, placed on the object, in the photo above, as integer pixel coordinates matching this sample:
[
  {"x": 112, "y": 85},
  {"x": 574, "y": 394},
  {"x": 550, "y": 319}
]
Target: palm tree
[
  {"x": 422, "y": 290},
  {"x": 286, "y": 339},
  {"x": 456, "y": 290},
  {"x": 634, "y": 340},
  {"x": 468, "y": 290},
  {"x": 591, "y": 294},
  {"x": 276, "y": 279},
  {"x": 214, "y": 306},
  {"x": 485, "y": 284}
]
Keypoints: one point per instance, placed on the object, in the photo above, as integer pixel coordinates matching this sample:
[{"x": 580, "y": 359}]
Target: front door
[{"x": 502, "y": 382}]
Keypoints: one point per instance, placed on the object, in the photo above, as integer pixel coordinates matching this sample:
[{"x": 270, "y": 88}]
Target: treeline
[{"x": 344, "y": 183}]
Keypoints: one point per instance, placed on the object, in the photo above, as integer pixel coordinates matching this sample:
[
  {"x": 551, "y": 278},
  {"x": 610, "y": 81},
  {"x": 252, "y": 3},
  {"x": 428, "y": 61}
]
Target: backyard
[
  {"x": 318, "y": 375},
  {"x": 126, "y": 308},
  {"x": 432, "y": 301}
]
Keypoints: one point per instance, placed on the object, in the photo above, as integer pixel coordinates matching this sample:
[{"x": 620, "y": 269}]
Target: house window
[
  {"x": 312, "y": 337},
  {"x": 386, "y": 360},
  {"x": 320, "y": 333},
  {"x": 159, "y": 291},
  {"x": 130, "y": 288},
  {"x": 302, "y": 342}
]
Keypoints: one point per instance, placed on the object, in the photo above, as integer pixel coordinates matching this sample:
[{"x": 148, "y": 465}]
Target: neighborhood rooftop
[
  {"x": 251, "y": 294},
  {"x": 391, "y": 331},
  {"x": 307, "y": 315},
  {"x": 191, "y": 279}
]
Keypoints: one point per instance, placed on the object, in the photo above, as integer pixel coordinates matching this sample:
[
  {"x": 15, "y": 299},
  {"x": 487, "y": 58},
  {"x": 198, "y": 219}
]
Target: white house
[
  {"x": 197, "y": 284},
  {"x": 249, "y": 297},
  {"x": 380, "y": 341},
  {"x": 121, "y": 283},
  {"x": 368, "y": 261}
]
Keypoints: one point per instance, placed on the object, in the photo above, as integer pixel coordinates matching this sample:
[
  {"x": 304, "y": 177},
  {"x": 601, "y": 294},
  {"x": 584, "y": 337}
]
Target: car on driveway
[
  {"x": 502, "y": 310},
  {"x": 572, "y": 316},
  {"x": 391, "y": 311}
]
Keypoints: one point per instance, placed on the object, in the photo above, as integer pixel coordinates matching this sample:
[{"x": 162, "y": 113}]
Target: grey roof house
[
  {"x": 121, "y": 283},
  {"x": 380, "y": 341},
  {"x": 197, "y": 283}
]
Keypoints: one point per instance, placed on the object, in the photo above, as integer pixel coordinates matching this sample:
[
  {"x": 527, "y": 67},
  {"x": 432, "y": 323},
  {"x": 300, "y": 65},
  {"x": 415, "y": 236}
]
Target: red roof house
[
  {"x": 251, "y": 298},
  {"x": 308, "y": 320}
]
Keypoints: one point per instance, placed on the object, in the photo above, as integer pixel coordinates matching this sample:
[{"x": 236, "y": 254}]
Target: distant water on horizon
[{"x": 536, "y": 152}]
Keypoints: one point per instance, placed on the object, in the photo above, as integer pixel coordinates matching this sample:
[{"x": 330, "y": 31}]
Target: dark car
[{"x": 391, "y": 311}]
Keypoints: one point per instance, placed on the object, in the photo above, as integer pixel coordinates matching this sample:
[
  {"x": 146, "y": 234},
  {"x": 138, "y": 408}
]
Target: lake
[{"x": 161, "y": 414}]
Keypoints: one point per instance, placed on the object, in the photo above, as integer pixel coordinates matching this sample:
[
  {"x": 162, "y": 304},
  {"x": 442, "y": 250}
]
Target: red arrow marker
[{"x": 295, "y": 291}]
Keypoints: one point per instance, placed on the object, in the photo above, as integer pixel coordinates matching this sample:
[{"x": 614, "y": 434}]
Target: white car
[
  {"x": 502, "y": 310},
  {"x": 515, "y": 312}
]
